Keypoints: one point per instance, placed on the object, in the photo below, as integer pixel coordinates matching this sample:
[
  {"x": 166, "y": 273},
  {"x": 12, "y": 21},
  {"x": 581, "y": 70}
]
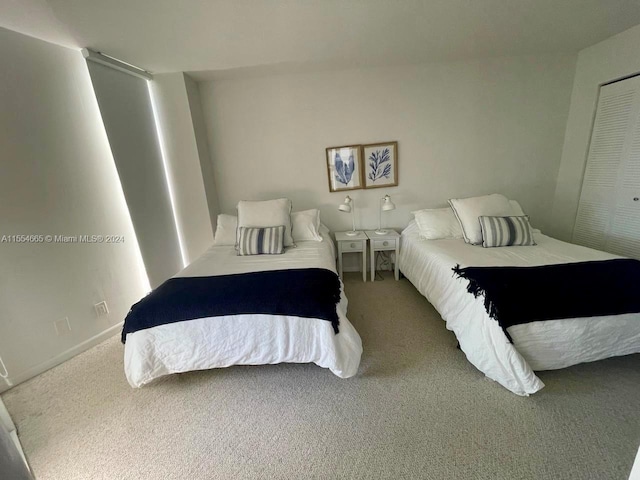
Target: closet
[{"x": 608, "y": 215}]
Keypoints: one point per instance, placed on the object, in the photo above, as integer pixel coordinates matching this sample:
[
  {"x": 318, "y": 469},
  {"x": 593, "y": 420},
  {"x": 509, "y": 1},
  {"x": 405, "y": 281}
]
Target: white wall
[
  {"x": 183, "y": 162},
  {"x": 57, "y": 176},
  {"x": 477, "y": 127},
  {"x": 617, "y": 57}
]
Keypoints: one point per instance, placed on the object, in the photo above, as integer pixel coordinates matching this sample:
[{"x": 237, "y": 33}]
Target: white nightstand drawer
[
  {"x": 355, "y": 246},
  {"x": 384, "y": 244}
]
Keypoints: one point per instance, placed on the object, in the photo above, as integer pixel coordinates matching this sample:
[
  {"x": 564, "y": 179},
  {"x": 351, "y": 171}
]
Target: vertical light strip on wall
[{"x": 167, "y": 175}]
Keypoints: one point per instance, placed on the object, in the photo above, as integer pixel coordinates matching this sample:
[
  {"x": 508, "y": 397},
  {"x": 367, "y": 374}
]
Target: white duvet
[
  {"x": 246, "y": 339},
  {"x": 546, "y": 345}
]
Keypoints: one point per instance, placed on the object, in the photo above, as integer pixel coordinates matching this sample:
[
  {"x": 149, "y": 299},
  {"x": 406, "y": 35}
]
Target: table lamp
[
  {"x": 349, "y": 206},
  {"x": 385, "y": 205}
]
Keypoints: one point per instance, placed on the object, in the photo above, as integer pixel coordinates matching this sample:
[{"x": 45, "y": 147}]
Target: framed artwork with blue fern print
[
  {"x": 344, "y": 168},
  {"x": 380, "y": 164}
]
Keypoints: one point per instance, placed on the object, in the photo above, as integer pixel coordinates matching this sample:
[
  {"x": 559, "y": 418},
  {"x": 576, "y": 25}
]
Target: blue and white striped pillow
[
  {"x": 506, "y": 231},
  {"x": 259, "y": 241}
]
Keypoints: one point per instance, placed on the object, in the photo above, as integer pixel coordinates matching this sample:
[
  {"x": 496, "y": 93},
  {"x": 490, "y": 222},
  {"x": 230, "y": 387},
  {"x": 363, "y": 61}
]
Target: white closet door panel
[
  {"x": 608, "y": 165},
  {"x": 624, "y": 237},
  {"x": 608, "y": 139},
  {"x": 631, "y": 173},
  {"x": 592, "y": 224}
]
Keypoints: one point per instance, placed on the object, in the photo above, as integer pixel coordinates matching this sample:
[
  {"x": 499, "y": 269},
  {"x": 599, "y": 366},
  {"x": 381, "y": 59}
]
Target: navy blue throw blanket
[
  {"x": 308, "y": 292},
  {"x": 517, "y": 295}
]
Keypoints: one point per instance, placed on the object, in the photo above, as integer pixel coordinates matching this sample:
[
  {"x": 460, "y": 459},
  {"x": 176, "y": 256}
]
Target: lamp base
[
  {"x": 352, "y": 233},
  {"x": 381, "y": 231}
]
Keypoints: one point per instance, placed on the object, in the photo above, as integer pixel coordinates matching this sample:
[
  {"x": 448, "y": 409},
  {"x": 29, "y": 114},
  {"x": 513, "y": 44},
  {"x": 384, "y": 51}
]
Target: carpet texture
[{"x": 417, "y": 409}]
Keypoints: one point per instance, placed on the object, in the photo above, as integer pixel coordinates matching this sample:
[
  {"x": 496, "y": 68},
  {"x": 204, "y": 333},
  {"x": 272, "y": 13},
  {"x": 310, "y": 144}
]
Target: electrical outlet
[
  {"x": 101, "y": 309},
  {"x": 62, "y": 326}
]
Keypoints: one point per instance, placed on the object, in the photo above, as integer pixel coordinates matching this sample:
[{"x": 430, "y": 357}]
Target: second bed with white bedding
[
  {"x": 246, "y": 339},
  {"x": 542, "y": 345}
]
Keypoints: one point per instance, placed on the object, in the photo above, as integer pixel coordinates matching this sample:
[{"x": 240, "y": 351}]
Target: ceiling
[{"x": 212, "y": 35}]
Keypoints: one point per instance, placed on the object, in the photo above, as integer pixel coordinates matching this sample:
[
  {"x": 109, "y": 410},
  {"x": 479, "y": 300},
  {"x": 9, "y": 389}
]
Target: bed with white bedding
[
  {"x": 247, "y": 339},
  {"x": 537, "y": 346}
]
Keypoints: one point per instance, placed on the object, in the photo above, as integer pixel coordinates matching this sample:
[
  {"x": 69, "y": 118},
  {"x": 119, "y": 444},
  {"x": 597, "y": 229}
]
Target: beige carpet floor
[{"x": 417, "y": 409}]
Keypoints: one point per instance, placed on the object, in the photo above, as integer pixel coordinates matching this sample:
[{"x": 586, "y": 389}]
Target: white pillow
[
  {"x": 226, "y": 230},
  {"x": 518, "y": 212},
  {"x": 268, "y": 213},
  {"x": 437, "y": 223},
  {"x": 467, "y": 210},
  {"x": 324, "y": 230},
  {"x": 306, "y": 225},
  {"x": 516, "y": 209}
]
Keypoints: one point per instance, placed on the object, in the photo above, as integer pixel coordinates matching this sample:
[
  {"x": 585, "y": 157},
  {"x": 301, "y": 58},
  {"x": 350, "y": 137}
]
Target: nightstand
[
  {"x": 349, "y": 244},
  {"x": 380, "y": 243}
]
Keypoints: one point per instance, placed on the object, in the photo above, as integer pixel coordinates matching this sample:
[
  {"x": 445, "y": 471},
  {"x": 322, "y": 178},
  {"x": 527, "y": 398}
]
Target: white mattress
[
  {"x": 545, "y": 345},
  {"x": 246, "y": 339}
]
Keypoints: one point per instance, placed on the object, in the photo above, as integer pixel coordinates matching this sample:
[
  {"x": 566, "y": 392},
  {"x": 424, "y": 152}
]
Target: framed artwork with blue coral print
[
  {"x": 380, "y": 165},
  {"x": 344, "y": 168}
]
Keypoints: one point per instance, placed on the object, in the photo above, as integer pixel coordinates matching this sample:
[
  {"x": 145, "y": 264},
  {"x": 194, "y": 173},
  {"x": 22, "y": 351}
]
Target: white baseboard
[{"x": 63, "y": 357}]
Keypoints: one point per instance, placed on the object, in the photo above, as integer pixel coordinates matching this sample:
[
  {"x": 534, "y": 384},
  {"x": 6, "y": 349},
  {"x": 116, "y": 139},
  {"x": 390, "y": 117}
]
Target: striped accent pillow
[
  {"x": 260, "y": 240},
  {"x": 506, "y": 231}
]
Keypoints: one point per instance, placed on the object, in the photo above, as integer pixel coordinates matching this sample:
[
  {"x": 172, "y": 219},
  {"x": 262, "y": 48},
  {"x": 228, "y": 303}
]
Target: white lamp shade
[
  {"x": 387, "y": 204},
  {"x": 346, "y": 206}
]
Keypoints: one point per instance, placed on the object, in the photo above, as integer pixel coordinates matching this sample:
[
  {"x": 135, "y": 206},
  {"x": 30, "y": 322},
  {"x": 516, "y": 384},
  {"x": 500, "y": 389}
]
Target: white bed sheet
[
  {"x": 546, "y": 345},
  {"x": 246, "y": 339}
]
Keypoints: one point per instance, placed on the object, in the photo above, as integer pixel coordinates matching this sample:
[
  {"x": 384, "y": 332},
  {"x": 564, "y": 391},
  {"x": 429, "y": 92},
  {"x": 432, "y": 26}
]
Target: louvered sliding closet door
[
  {"x": 609, "y": 212},
  {"x": 624, "y": 236}
]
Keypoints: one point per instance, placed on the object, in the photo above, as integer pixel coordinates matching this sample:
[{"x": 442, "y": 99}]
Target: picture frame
[
  {"x": 380, "y": 165},
  {"x": 344, "y": 168}
]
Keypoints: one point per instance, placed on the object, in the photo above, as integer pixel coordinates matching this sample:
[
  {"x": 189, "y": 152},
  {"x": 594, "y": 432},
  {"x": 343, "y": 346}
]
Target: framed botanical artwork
[
  {"x": 380, "y": 164},
  {"x": 344, "y": 168}
]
